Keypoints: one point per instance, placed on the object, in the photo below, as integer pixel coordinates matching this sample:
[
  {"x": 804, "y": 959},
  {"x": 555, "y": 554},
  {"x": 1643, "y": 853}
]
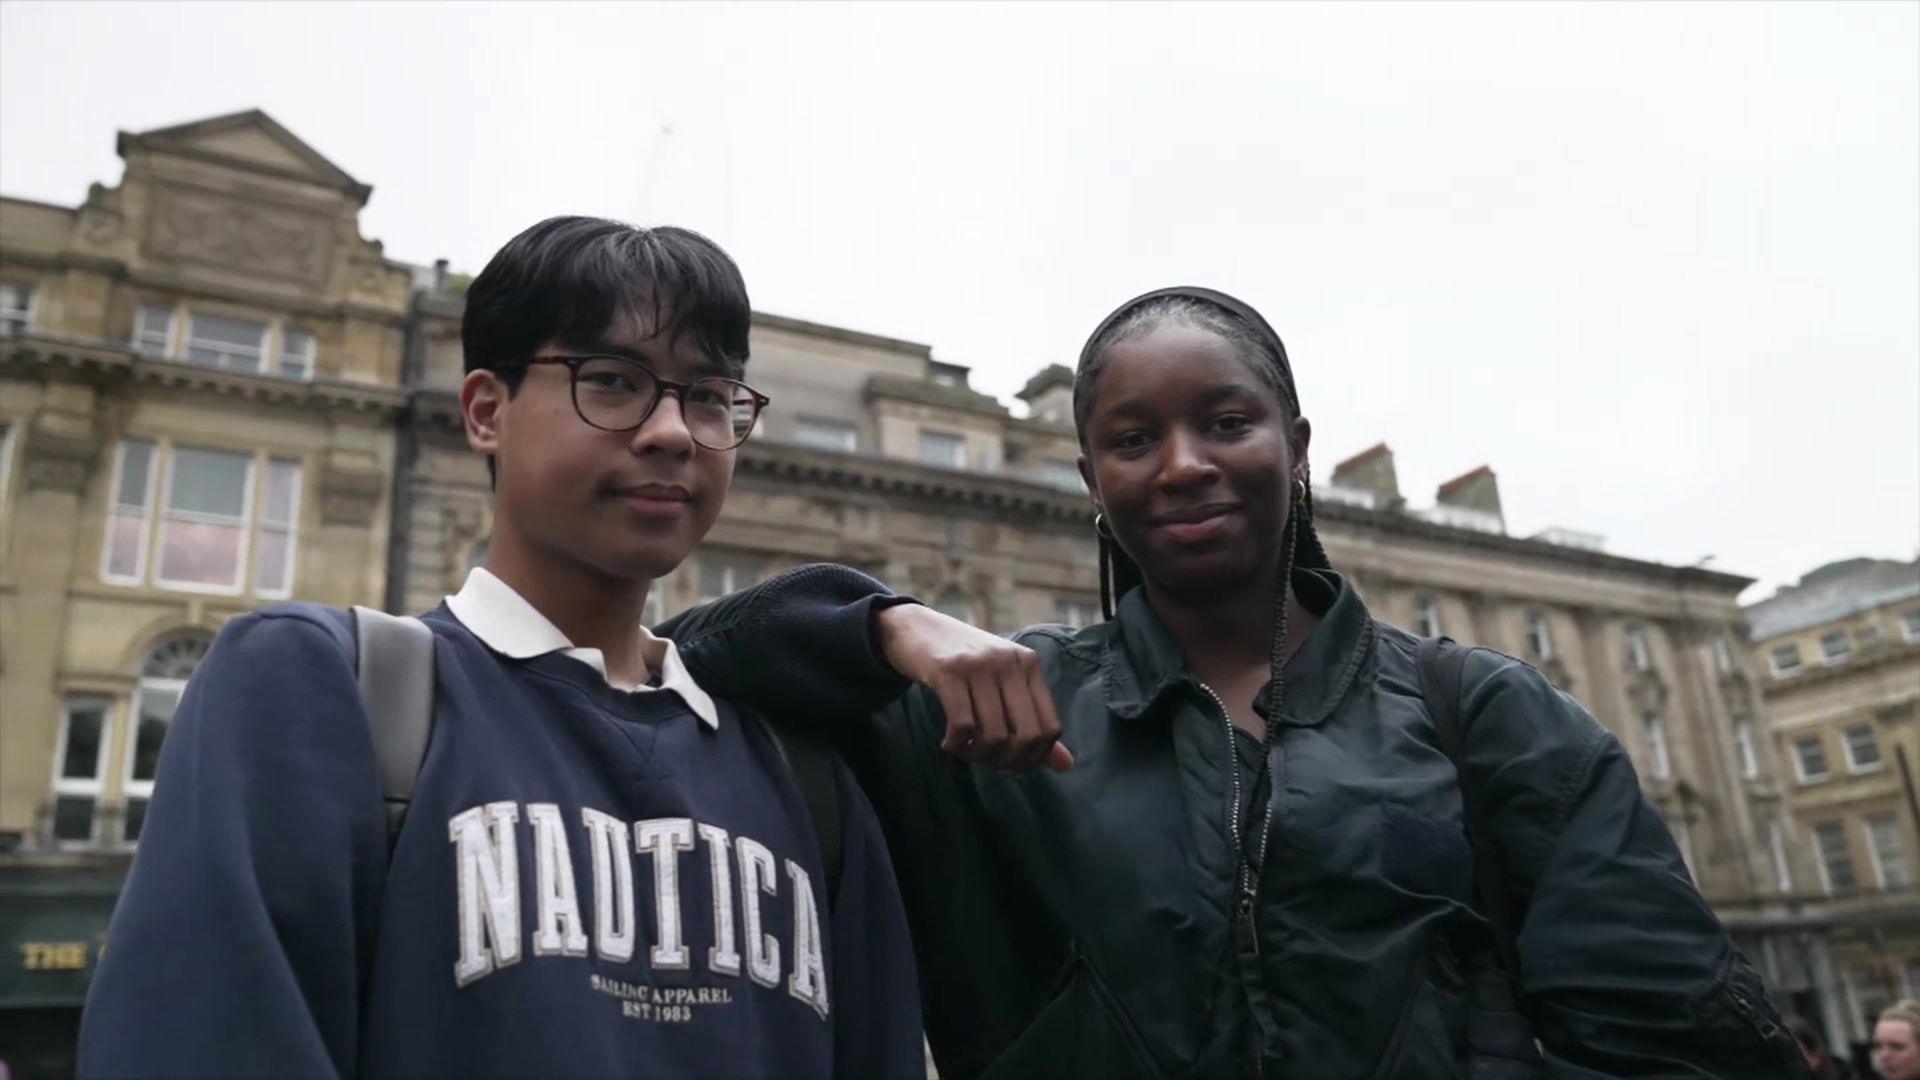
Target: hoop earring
[
  {"x": 1299, "y": 489},
  {"x": 1100, "y": 528}
]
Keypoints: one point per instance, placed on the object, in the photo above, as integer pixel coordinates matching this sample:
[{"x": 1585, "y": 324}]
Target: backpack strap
[
  {"x": 1440, "y": 661},
  {"x": 396, "y": 684},
  {"x": 811, "y": 763}
]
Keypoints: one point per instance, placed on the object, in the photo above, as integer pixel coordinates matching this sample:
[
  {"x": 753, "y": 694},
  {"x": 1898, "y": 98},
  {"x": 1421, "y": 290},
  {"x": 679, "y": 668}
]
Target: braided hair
[{"x": 1266, "y": 356}]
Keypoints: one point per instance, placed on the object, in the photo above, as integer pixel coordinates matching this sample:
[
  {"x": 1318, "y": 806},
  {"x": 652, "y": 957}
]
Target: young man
[{"x": 605, "y": 868}]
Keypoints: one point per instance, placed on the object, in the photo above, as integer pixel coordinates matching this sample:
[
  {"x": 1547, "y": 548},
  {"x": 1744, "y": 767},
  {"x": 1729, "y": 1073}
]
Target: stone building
[
  {"x": 214, "y": 394},
  {"x": 199, "y": 383},
  {"x": 1841, "y": 652}
]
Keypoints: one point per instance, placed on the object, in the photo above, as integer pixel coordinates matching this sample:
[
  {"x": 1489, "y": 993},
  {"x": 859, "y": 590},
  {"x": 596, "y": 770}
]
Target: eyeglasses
[{"x": 614, "y": 393}]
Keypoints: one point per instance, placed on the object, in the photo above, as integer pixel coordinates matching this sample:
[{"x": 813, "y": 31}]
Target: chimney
[
  {"x": 1476, "y": 490},
  {"x": 1049, "y": 394},
  {"x": 439, "y": 276},
  {"x": 1371, "y": 470}
]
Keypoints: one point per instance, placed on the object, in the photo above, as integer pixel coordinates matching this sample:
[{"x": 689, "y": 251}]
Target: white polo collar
[{"x": 503, "y": 619}]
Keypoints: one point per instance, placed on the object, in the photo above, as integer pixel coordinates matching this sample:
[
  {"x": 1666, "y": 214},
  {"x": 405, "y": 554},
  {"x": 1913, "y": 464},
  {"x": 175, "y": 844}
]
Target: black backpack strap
[
  {"x": 811, "y": 763},
  {"x": 1440, "y": 661},
  {"x": 396, "y": 684}
]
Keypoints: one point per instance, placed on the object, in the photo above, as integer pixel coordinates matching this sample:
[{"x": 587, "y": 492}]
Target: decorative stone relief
[
  {"x": 61, "y": 447},
  {"x": 351, "y": 485},
  {"x": 223, "y": 232}
]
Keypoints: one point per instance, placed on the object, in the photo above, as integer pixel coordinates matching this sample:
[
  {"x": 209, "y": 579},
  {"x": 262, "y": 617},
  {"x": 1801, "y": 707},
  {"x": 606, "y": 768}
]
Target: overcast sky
[{"x": 1658, "y": 265}]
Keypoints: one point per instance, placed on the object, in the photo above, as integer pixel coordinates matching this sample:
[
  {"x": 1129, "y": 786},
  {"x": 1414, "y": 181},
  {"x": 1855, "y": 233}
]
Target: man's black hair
[{"x": 568, "y": 279}]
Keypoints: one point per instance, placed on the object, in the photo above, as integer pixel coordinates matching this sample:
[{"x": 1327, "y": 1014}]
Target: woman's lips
[{"x": 1195, "y": 526}]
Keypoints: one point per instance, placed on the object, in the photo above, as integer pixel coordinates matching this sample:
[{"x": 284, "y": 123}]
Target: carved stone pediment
[{"x": 232, "y": 234}]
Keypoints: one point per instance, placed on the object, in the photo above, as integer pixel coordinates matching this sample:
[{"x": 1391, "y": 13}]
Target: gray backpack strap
[{"x": 396, "y": 684}]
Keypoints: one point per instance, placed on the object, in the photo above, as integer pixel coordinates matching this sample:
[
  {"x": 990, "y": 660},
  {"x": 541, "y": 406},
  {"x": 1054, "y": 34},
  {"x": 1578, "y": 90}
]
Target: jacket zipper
[{"x": 1245, "y": 935}]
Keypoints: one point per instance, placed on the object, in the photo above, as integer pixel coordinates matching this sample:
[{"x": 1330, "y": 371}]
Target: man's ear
[{"x": 483, "y": 404}]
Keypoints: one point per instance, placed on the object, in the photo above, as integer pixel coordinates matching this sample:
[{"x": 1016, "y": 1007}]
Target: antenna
[{"x": 652, "y": 171}]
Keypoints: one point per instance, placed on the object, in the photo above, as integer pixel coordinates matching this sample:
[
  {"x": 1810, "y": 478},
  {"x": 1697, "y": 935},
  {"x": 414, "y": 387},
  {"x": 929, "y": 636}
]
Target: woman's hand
[{"x": 999, "y": 710}]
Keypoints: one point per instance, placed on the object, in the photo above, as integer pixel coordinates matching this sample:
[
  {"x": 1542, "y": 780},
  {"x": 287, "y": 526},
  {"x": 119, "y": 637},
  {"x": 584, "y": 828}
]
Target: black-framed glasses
[{"x": 614, "y": 393}]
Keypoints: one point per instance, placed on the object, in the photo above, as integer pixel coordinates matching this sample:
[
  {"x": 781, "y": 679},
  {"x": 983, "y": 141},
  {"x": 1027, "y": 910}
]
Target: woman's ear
[
  {"x": 1298, "y": 439},
  {"x": 1086, "y": 477},
  {"x": 483, "y": 402}
]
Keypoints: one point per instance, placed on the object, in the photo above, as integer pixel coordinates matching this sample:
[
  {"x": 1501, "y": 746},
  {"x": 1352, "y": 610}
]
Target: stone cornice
[
  {"x": 783, "y": 461},
  {"x": 839, "y": 333},
  {"x": 1406, "y": 525},
  {"x": 1887, "y": 655},
  {"x": 201, "y": 289},
  {"x": 106, "y": 364}
]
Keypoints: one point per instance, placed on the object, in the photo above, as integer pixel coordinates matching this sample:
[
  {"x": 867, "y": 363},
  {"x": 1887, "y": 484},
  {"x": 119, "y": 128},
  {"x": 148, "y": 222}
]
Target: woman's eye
[{"x": 1231, "y": 424}]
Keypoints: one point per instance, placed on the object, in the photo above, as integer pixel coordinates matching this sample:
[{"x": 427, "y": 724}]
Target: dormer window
[{"x": 16, "y": 309}]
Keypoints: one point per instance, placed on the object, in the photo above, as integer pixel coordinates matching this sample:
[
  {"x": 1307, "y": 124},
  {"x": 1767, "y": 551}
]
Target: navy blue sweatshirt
[{"x": 588, "y": 882}]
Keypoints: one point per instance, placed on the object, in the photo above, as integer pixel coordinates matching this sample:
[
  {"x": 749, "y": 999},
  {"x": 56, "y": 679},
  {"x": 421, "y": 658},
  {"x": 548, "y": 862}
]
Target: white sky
[{"x": 1658, "y": 265}]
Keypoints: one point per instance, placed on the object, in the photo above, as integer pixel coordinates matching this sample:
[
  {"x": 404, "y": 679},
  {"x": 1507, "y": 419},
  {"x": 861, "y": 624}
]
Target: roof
[
  {"x": 250, "y": 140},
  {"x": 1834, "y": 591},
  {"x": 1371, "y": 451},
  {"x": 1044, "y": 380},
  {"x": 1464, "y": 478}
]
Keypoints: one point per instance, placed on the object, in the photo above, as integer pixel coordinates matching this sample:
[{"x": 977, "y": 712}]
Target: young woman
[
  {"x": 1896, "y": 1042},
  {"x": 1257, "y": 864}
]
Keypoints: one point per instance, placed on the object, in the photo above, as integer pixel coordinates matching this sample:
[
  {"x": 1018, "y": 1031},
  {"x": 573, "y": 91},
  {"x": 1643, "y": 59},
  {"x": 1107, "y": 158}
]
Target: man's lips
[{"x": 654, "y": 500}]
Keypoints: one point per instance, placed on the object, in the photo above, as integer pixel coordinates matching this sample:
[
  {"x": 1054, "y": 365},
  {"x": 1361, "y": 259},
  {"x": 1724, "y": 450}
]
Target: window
[
  {"x": 205, "y": 525},
  {"x": 1890, "y": 866},
  {"x": 1539, "y": 637},
  {"x": 1638, "y": 658},
  {"x": 953, "y": 603},
  {"x": 153, "y": 332},
  {"x": 1836, "y": 862},
  {"x": 944, "y": 449},
  {"x": 1743, "y": 749},
  {"x": 273, "y": 561},
  {"x": 80, "y": 764},
  {"x": 1910, "y": 625},
  {"x": 296, "y": 354},
  {"x": 1061, "y": 474},
  {"x": 1723, "y": 653},
  {"x": 162, "y": 680},
  {"x": 1810, "y": 758},
  {"x": 1426, "y": 617},
  {"x": 1777, "y": 845},
  {"x": 1863, "y": 748},
  {"x": 6, "y": 459},
  {"x": 826, "y": 434},
  {"x": 124, "y": 557},
  {"x": 1075, "y": 613},
  {"x": 1661, "y": 763},
  {"x": 228, "y": 343},
  {"x": 16, "y": 308},
  {"x": 1785, "y": 659},
  {"x": 1835, "y": 647},
  {"x": 722, "y": 574},
  {"x": 203, "y": 530}
]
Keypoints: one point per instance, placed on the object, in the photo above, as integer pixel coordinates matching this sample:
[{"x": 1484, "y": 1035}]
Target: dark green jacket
[{"x": 1080, "y": 924}]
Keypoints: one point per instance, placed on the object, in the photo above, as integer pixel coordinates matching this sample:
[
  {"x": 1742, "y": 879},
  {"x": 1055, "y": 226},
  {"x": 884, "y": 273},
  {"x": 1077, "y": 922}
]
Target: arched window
[{"x": 163, "y": 677}]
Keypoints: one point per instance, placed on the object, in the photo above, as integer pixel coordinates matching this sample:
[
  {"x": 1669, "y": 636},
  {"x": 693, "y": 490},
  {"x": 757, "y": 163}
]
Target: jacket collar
[{"x": 1143, "y": 660}]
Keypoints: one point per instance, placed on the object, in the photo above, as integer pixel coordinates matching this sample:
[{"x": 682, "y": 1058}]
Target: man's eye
[
  {"x": 1132, "y": 440},
  {"x": 607, "y": 380},
  {"x": 707, "y": 397}
]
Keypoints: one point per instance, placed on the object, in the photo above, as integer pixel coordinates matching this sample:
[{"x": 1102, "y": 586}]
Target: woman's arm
[{"x": 1624, "y": 968}]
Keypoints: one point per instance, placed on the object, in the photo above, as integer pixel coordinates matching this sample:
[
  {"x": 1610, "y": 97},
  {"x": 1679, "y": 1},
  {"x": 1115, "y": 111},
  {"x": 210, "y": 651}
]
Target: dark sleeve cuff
[{"x": 799, "y": 644}]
